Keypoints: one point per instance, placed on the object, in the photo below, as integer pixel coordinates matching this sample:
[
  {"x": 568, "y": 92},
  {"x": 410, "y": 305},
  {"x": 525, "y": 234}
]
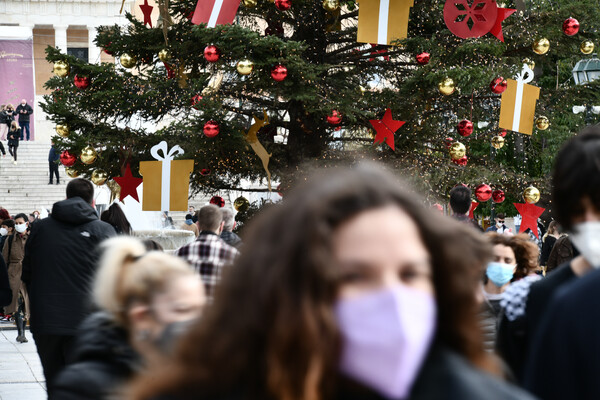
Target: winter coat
[
  {"x": 103, "y": 362},
  {"x": 53, "y": 155},
  {"x": 561, "y": 253},
  {"x": 8, "y": 116},
  {"x": 13, "y": 137},
  {"x": 549, "y": 242},
  {"x": 60, "y": 263},
  {"x": 232, "y": 239},
  {"x": 13, "y": 252},
  {"x": 444, "y": 376},
  {"x": 489, "y": 318},
  {"x": 5, "y": 291},
  {"x": 24, "y": 117}
]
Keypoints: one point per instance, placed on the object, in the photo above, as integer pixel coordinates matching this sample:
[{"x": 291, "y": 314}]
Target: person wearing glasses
[{"x": 499, "y": 227}]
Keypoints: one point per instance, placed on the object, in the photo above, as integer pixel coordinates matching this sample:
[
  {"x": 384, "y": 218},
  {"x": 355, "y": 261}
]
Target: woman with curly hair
[
  {"x": 349, "y": 289},
  {"x": 515, "y": 257}
]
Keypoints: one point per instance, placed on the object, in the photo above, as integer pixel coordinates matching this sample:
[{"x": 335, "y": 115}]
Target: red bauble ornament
[
  {"x": 498, "y": 196},
  {"x": 335, "y": 117},
  {"x": 465, "y": 128},
  {"x": 483, "y": 193},
  {"x": 448, "y": 142},
  {"x": 211, "y": 129},
  {"x": 283, "y": 5},
  {"x": 82, "y": 82},
  {"x": 503, "y": 133},
  {"x": 217, "y": 201},
  {"x": 279, "y": 72},
  {"x": 107, "y": 49},
  {"x": 212, "y": 53},
  {"x": 462, "y": 162},
  {"x": 205, "y": 171},
  {"x": 498, "y": 85},
  {"x": 67, "y": 159},
  {"x": 570, "y": 26},
  {"x": 470, "y": 20},
  {"x": 423, "y": 58},
  {"x": 196, "y": 99}
]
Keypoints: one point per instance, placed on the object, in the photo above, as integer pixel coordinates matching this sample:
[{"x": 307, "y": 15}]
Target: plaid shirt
[{"x": 208, "y": 255}]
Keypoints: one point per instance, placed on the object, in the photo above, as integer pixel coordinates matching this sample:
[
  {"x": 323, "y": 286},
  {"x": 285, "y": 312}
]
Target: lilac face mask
[{"x": 386, "y": 336}]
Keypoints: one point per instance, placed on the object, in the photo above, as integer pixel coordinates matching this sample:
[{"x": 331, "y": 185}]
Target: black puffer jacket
[
  {"x": 61, "y": 257},
  {"x": 104, "y": 362}
]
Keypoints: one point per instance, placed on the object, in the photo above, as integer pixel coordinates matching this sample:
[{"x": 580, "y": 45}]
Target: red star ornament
[
  {"x": 386, "y": 127},
  {"x": 530, "y": 214},
  {"x": 147, "y": 11},
  {"x": 128, "y": 184},
  {"x": 474, "y": 205},
  {"x": 503, "y": 13}
]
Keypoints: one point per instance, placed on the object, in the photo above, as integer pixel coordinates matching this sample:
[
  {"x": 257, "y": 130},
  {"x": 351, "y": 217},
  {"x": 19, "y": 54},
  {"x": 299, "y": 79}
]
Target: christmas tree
[{"x": 316, "y": 93}]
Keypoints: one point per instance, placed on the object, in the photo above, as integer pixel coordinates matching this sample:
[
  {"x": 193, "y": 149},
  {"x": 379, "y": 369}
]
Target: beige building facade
[{"x": 70, "y": 25}]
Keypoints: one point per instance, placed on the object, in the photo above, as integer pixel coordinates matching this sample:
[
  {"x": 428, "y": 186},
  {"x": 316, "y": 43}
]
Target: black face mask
[{"x": 169, "y": 337}]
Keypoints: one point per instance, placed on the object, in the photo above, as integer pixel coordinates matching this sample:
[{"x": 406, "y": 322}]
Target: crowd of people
[
  {"x": 350, "y": 288},
  {"x": 14, "y": 126}
]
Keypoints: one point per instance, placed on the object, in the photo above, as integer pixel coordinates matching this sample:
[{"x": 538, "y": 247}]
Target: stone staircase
[{"x": 24, "y": 187}]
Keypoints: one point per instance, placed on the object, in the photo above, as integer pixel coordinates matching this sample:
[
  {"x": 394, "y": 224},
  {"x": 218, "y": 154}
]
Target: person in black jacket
[
  {"x": 5, "y": 290},
  {"x": 349, "y": 289},
  {"x": 7, "y": 115},
  {"x": 564, "y": 361},
  {"x": 227, "y": 234},
  {"x": 23, "y": 111},
  {"x": 53, "y": 157},
  {"x": 60, "y": 262},
  {"x": 141, "y": 301},
  {"x": 13, "y": 140}
]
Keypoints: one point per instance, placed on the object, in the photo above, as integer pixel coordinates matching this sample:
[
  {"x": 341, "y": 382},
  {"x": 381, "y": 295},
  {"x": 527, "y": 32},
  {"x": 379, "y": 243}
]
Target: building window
[{"x": 79, "y": 52}]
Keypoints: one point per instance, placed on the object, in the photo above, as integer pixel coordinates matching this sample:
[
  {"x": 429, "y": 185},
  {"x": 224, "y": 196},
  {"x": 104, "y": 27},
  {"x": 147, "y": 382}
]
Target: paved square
[{"x": 21, "y": 376}]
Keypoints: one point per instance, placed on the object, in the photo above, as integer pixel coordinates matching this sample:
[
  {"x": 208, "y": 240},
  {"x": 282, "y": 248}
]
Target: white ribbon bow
[
  {"x": 167, "y": 157},
  {"x": 523, "y": 78}
]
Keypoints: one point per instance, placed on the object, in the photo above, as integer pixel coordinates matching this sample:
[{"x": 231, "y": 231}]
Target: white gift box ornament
[{"x": 517, "y": 109}]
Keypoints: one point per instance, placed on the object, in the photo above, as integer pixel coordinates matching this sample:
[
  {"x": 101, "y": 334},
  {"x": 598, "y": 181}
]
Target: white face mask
[
  {"x": 21, "y": 228},
  {"x": 3, "y": 231},
  {"x": 586, "y": 237}
]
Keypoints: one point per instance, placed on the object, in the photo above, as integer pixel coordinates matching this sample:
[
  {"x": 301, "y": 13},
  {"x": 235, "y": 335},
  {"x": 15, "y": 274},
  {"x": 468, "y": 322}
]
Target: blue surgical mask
[{"x": 499, "y": 273}]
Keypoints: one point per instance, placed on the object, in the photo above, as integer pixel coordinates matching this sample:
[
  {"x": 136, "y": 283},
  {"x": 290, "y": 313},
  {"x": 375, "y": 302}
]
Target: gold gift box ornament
[
  {"x": 166, "y": 181},
  {"x": 383, "y": 21},
  {"x": 517, "y": 108}
]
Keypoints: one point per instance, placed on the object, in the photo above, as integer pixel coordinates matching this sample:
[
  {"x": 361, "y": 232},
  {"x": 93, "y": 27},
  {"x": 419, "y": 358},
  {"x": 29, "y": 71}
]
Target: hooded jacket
[
  {"x": 104, "y": 362},
  {"x": 61, "y": 257}
]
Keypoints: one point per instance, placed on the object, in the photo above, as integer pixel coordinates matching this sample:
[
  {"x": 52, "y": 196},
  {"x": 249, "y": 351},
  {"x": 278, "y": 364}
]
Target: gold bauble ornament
[
  {"x": 529, "y": 62},
  {"x": 241, "y": 204},
  {"x": 63, "y": 130},
  {"x": 61, "y": 68},
  {"x": 447, "y": 86},
  {"x": 541, "y": 46},
  {"x": 531, "y": 195},
  {"x": 331, "y": 5},
  {"x": 99, "y": 177},
  {"x": 457, "y": 150},
  {"x": 244, "y": 67},
  {"x": 498, "y": 142},
  {"x": 542, "y": 123},
  {"x": 71, "y": 172},
  {"x": 249, "y": 3},
  {"x": 587, "y": 47},
  {"x": 88, "y": 155},
  {"x": 127, "y": 61},
  {"x": 164, "y": 55}
]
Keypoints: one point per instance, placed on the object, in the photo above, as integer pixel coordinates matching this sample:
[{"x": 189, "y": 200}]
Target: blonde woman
[{"x": 142, "y": 297}]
